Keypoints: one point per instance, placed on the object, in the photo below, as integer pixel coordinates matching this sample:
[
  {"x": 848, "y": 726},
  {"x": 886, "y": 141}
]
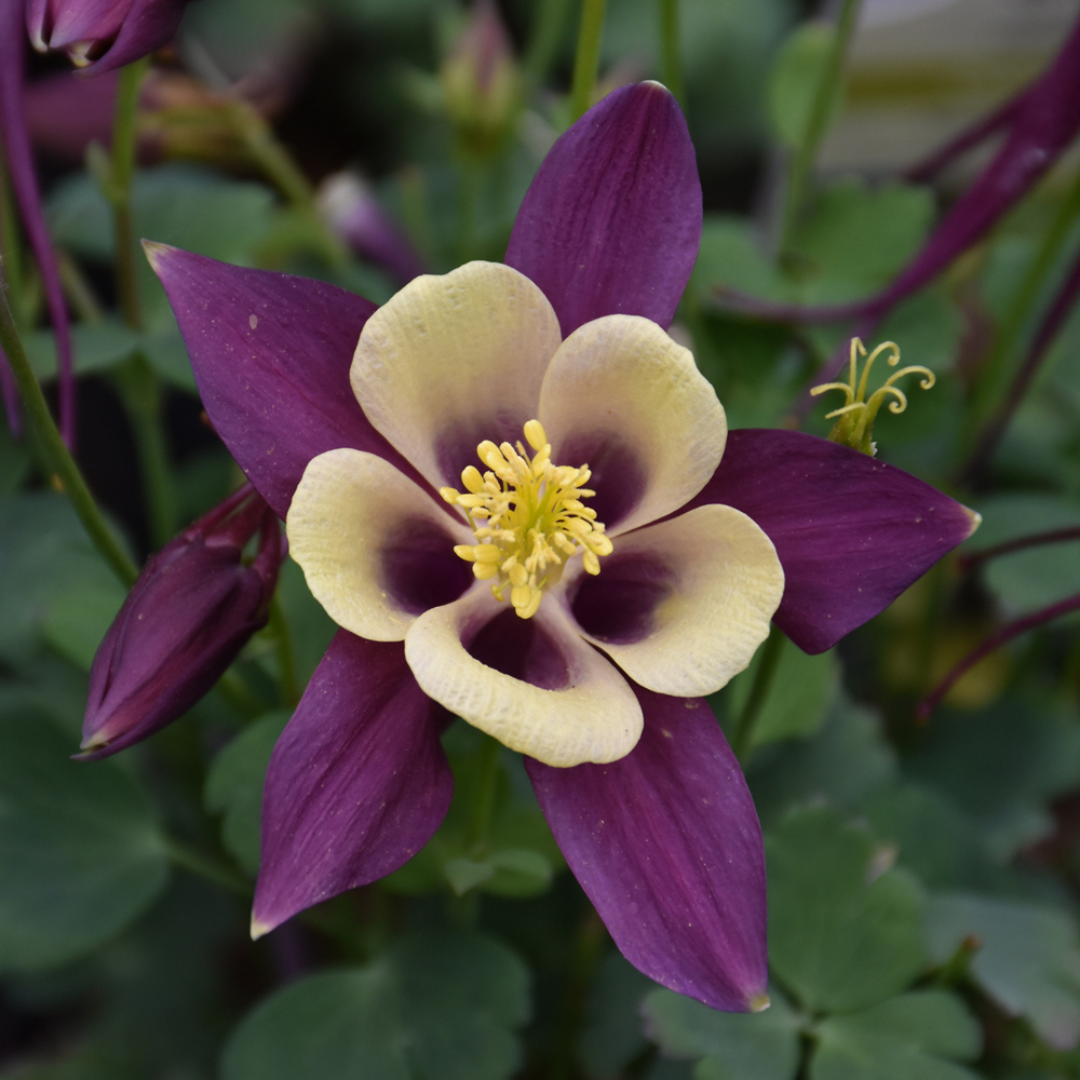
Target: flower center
[{"x": 528, "y": 518}]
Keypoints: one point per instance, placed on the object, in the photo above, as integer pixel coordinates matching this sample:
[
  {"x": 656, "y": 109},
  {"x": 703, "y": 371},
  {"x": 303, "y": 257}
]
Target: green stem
[
  {"x": 485, "y": 790},
  {"x": 992, "y": 380},
  {"x": 283, "y": 647},
  {"x": 587, "y": 60},
  {"x": 141, "y": 393},
  {"x": 10, "y": 250},
  {"x": 205, "y": 866},
  {"x": 544, "y": 37},
  {"x": 803, "y": 160},
  {"x": 759, "y": 692},
  {"x": 271, "y": 157},
  {"x": 56, "y": 459},
  {"x": 122, "y": 172},
  {"x": 670, "y": 53}
]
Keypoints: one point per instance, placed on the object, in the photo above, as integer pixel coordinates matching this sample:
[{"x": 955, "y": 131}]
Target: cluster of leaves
[{"x": 922, "y": 880}]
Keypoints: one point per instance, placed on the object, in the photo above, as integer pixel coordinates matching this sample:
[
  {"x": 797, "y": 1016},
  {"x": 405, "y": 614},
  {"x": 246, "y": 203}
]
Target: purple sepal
[
  {"x": 20, "y": 163},
  {"x": 184, "y": 622},
  {"x": 666, "y": 844},
  {"x": 271, "y": 355},
  {"x": 358, "y": 782},
  {"x": 101, "y": 35},
  {"x": 852, "y": 533},
  {"x": 612, "y": 222}
]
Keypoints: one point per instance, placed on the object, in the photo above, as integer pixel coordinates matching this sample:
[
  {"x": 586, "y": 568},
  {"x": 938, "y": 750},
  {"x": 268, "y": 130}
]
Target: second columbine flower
[{"x": 459, "y": 364}]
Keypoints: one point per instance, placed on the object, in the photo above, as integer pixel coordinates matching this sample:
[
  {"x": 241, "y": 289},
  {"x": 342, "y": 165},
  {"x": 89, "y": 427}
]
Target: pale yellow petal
[
  {"x": 349, "y": 511},
  {"x": 452, "y": 360},
  {"x": 726, "y": 582},
  {"x": 621, "y": 381},
  {"x": 594, "y": 717}
]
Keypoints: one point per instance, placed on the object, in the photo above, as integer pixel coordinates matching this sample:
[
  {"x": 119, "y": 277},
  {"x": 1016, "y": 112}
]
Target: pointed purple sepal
[
  {"x": 612, "y": 222},
  {"x": 271, "y": 355},
  {"x": 666, "y": 844},
  {"x": 852, "y": 533},
  {"x": 357, "y": 784}
]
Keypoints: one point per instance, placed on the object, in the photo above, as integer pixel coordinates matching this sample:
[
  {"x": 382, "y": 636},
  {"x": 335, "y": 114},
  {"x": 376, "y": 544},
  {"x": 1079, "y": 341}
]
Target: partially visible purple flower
[
  {"x": 350, "y": 207},
  {"x": 101, "y": 35},
  {"x": 186, "y": 619}
]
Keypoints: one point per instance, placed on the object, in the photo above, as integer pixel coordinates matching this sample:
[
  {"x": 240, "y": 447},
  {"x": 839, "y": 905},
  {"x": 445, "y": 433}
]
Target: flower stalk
[
  {"x": 56, "y": 459},
  {"x": 587, "y": 59}
]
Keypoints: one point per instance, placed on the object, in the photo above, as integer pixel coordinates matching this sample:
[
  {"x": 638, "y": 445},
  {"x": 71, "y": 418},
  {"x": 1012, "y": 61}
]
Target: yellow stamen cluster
[
  {"x": 528, "y": 518},
  {"x": 855, "y": 422}
]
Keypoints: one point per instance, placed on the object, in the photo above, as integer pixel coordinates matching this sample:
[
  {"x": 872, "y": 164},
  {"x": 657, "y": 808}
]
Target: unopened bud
[
  {"x": 481, "y": 82},
  {"x": 186, "y": 619},
  {"x": 349, "y": 206}
]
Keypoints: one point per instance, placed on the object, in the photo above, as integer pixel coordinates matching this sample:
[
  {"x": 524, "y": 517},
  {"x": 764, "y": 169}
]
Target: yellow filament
[
  {"x": 529, "y": 519},
  {"x": 855, "y": 418}
]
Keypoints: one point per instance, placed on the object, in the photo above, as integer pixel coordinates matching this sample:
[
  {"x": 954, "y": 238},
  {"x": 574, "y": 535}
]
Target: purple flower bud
[
  {"x": 192, "y": 610},
  {"x": 349, "y": 206},
  {"x": 104, "y": 33}
]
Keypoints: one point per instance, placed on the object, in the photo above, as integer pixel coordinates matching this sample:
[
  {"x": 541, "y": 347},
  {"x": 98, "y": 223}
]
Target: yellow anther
[
  {"x": 534, "y": 435},
  {"x": 855, "y": 418},
  {"x": 528, "y": 519}
]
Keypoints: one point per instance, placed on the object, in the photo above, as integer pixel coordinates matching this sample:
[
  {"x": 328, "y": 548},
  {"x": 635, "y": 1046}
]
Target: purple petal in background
[
  {"x": 852, "y": 533},
  {"x": 271, "y": 355},
  {"x": 666, "y": 844},
  {"x": 612, "y": 222},
  {"x": 20, "y": 163},
  {"x": 357, "y": 784}
]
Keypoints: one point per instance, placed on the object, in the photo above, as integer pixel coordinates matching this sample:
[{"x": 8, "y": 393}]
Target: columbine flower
[
  {"x": 659, "y": 828},
  {"x": 193, "y": 609}
]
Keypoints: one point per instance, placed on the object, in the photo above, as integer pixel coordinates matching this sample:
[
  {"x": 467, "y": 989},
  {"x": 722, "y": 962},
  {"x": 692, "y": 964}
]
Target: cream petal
[
  {"x": 375, "y": 548},
  {"x": 724, "y": 582},
  {"x": 452, "y": 360},
  {"x": 620, "y": 391},
  {"x": 593, "y": 717}
]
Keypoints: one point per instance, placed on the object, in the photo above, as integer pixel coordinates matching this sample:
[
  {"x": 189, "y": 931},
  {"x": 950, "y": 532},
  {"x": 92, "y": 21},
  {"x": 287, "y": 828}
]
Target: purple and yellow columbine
[{"x": 441, "y": 443}]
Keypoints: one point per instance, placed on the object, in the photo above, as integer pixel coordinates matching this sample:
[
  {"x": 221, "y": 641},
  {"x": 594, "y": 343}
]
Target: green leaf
[
  {"x": 793, "y": 83},
  {"x": 904, "y": 1038},
  {"x": 732, "y": 1046},
  {"x": 1003, "y": 765},
  {"x": 1028, "y": 960},
  {"x": 1026, "y": 580},
  {"x": 234, "y": 786},
  {"x": 863, "y": 235},
  {"x": 731, "y": 254},
  {"x": 432, "y": 1007},
  {"x": 612, "y": 1035},
  {"x": 801, "y": 695},
  {"x": 513, "y": 855},
  {"x": 45, "y": 559},
  {"x": 844, "y": 931},
  {"x": 77, "y": 620},
  {"x": 80, "y": 854},
  {"x": 842, "y": 764}
]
